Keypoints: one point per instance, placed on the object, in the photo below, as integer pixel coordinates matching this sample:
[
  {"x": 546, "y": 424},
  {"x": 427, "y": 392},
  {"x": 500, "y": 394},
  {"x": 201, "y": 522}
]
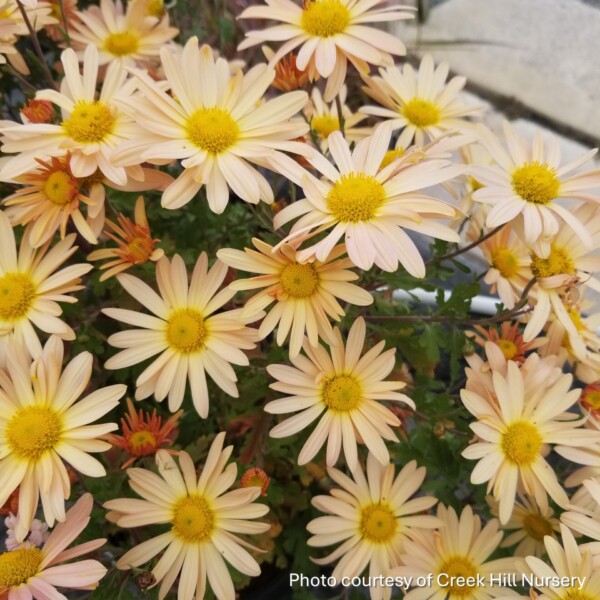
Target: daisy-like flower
[
  {"x": 531, "y": 524},
  {"x": 526, "y": 183},
  {"x": 514, "y": 431},
  {"x": 143, "y": 433},
  {"x": 372, "y": 516},
  {"x": 342, "y": 390},
  {"x": 37, "y": 111},
  {"x": 421, "y": 103},
  {"x": 90, "y": 127},
  {"x": 324, "y": 119},
  {"x": 370, "y": 207},
  {"x": 211, "y": 122},
  {"x": 50, "y": 200},
  {"x": 135, "y": 243},
  {"x": 330, "y": 33},
  {"x": 568, "y": 561},
  {"x": 305, "y": 293},
  {"x": 190, "y": 339},
  {"x": 31, "y": 287},
  {"x": 459, "y": 549},
  {"x": 256, "y": 477},
  {"x": 509, "y": 339},
  {"x": 39, "y": 15},
  {"x": 203, "y": 520},
  {"x": 43, "y": 422},
  {"x": 132, "y": 36},
  {"x": 35, "y": 573}
]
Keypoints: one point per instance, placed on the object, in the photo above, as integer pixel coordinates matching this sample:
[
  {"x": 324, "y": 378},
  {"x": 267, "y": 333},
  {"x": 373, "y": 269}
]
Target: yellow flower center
[
  {"x": 60, "y": 188},
  {"x": 378, "y": 523},
  {"x": 193, "y": 520},
  {"x": 17, "y": 293},
  {"x": 341, "y": 392},
  {"x": 577, "y": 594},
  {"x": 123, "y": 43},
  {"x": 90, "y": 122},
  {"x": 139, "y": 440},
  {"x": 509, "y": 349},
  {"x": 355, "y": 197},
  {"x": 254, "y": 481},
  {"x": 421, "y": 113},
  {"x": 325, "y": 18},
  {"x": 592, "y": 399},
  {"x": 324, "y": 125},
  {"x": 186, "y": 331},
  {"x": 521, "y": 443},
  {"x": 212, "y": 129},
  {"x": 557, "y": 263},
  {"x": 156, "y": 8},
  {"x": 537, "y": 526},
  {"x": 391, "y": 156},
  {"x": 18, "y": 566},
  {"x": 536, "y": 183},
  {"x": 33, "y": 431},
  {"x": 506, "y": 261},
  {"x": 140, "y": 249},
  {"x": 458, "y": 566},
  {"x": 299, "y": 281}
]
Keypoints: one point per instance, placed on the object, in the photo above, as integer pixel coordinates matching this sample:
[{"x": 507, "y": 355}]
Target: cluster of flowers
[{"x": 131, "y": 100}]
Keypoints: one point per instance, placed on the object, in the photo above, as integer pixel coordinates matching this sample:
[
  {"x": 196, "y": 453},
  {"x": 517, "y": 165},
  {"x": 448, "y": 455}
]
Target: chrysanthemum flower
[
  {"x": 331, "y": 33},
  {"x": 34, "y": 572},
  {"x": 135, "y": 243},
  {"x": 460, "y": 548},
  {"x": 514, "y": 431},
  {"x": 509, "y": 339},
  {"x": 31, "y": 287},
  {"x": 568, "y": 561},
  {"x": 256, "y": 477},
  {"x": 50, "y": 200},
  {"x": 288, "y": 77},
  {"x": 43, "y": 422},
  {"x": 39, "y": 15},
  {"x": 421, "y": 103},
  {"x": 37, "y": 111},
  {"x": 342, "y": 390},
  {"x": 190, "y": 339},
  {"x": 132, "y": 36},
  {"x": 211, "y": 122},
  {"x": 324, "y": 119},
  {"x": 90, "y": 127},
  {"x": 372, "y": 516},
  {"x": 531, "y": 524},
  {"x": 306, "y": 293},
  {"x": 526, "y": 183},
  {"x": 143, "y": 433},
  {"x": 369, "y": 206},
  {"x": 203, "y": 522}
]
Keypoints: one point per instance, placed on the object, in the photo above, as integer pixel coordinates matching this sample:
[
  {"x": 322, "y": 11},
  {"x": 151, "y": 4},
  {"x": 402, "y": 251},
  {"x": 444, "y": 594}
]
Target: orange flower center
[
  {"x": 90, "y": 122},
  {"x": 212, "y": 129},
  {"x": 325, "y": 18},
  {"x": 537, "y": 526},
  {"x": 341, "y": 392},
  {"x": 193, "y": 520},
  {"x": 123, "y": 43},
  {"x": 355, "y": 197},
  {"x": 455, "y": 567},
  {"x": 557, "y": 263},
  {"x": 536, "y": 183},
  {"x": 521, "y": 443},
  {"x": 60, "y": 188},
  {"x": 378, "y": 523},
  {"x": 299, "y": 281},
  {"x": 17, "y": 293},
  {"x": 33, "y": 431},
  {"x": 421, "y": 113},
  {"x": 18, "y": 566}
]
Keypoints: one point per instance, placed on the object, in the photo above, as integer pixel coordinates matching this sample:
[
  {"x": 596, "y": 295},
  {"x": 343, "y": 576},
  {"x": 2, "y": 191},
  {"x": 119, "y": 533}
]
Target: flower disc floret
[
  {"x": 355, "y": 197},
  {"x": 17, "y": 293},
  {"x": 421, "y": 113},
  {"x": 18, "y": 566},
  {"x": 557, "y": 263},
  {"x": 186, "y": 331},
  {"x": 33, "y": 431},
  {"x": 521, "y": 443},
  {"x": 341, "y": 392},
  {"x": 194, "y": 520},
  {"x": 212, "y": 129},
  {"x": 122, "y": 43},
  {"x": 90, "y": 122},
  {"x": 377, "y": 523},
  {"x": 299, "y": 280},
  {"x": 325, "y": 18},
  {"x": 455, "y": 567},
  {"x": 536, "y": 183}
]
